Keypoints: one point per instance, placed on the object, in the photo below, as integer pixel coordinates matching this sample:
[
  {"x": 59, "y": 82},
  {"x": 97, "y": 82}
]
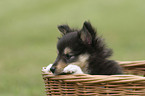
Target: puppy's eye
[{"x": 67, "y": 56}]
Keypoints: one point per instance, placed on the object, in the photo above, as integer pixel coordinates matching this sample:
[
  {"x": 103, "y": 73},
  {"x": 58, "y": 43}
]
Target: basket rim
[
  {"x": 87, "y": 78},
  {"x": 131, "y": 63}
]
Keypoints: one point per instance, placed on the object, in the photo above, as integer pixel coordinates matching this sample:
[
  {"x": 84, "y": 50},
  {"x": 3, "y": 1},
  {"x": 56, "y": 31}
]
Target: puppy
[{"x": 83, "y": 52}]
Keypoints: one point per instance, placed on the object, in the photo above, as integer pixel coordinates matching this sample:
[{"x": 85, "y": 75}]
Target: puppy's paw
[
  {"x": 47, "y": 69},
  {"x": 72, "y": 69}
]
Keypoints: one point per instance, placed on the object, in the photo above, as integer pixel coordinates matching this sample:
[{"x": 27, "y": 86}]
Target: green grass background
[{"x": 28, "y": 36}]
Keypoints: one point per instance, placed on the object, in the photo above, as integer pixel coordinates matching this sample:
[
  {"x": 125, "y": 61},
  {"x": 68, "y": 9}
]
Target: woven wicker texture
[
  {"x": 98, "y": 85},
  {"x": 134, "y": 67}
]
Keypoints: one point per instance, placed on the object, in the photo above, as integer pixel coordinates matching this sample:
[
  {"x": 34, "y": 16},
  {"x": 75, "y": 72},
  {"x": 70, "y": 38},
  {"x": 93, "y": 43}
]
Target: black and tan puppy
[{"x": 82, "y": 51}]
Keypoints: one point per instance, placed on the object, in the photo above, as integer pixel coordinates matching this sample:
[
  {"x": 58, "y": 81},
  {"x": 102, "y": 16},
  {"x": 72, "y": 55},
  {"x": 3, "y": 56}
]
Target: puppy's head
[{"x": 73, "y": 47}]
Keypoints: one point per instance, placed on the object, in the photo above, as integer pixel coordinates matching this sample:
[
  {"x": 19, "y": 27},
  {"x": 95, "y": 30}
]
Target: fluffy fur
[{"x": 85, "y": 49}]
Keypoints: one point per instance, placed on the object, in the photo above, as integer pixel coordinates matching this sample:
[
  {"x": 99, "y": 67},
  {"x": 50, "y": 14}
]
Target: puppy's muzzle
[{"x": 52, "y": 69}]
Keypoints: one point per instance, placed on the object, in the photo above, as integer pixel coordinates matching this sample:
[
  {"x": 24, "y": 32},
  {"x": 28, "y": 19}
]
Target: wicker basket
[{"x": 99, "y": 85}]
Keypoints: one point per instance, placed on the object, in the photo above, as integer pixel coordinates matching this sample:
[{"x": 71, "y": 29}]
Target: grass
[{"x": 28, "y": 31}]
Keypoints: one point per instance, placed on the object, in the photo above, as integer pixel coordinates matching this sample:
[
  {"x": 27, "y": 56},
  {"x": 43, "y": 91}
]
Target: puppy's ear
[
  {"x": 64, "y": 29},
  {"x": 90, "y": 29},
  {"x": 85, "y": 35}
]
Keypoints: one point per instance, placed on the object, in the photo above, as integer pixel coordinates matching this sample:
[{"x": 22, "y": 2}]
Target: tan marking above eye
[{"x": 67, "y": 50}]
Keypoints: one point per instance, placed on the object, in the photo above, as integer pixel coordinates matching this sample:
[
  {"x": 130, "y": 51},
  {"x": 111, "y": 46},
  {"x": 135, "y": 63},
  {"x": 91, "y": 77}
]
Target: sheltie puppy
[{"x": 83, "y": 52}]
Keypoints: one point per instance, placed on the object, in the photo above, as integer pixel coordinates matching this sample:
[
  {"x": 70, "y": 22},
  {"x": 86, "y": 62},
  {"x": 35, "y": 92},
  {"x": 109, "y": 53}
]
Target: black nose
[{"x": 52, "y": 69}]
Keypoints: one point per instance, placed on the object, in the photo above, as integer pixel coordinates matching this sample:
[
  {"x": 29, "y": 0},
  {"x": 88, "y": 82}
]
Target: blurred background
[{"x": 28, "y": 36}]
